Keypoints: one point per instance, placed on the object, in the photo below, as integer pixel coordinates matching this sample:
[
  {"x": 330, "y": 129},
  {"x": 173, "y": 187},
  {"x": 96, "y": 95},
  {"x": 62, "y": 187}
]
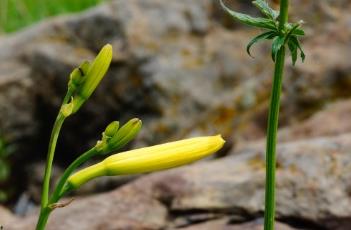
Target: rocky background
[{"x": 182, "y": 68}]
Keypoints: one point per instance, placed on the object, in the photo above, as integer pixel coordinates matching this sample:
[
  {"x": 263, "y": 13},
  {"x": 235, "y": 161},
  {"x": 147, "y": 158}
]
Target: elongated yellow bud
[
  {"x": 94, "y": 73},
  {"x": 149, "y": 159},
  {"x": 97, "y": 70}
]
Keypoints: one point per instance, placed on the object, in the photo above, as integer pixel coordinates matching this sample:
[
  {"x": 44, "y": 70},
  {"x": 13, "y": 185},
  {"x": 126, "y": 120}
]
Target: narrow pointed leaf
[
  {"x": 290, "y": 32},
  {"x": 298, "y": 32},
  {"x": 277, "y": 44},
  {"x": 264, "y": 23},
  {"x": 265, "y": 9},
  {"x": 266, "y": 35},
  {"x": 296, "y": 42},
  {"x": 293, "y": 51}
]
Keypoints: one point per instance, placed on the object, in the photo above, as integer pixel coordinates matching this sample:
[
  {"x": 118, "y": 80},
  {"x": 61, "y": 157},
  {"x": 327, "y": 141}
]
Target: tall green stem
[
  {"x": 50, "y": 157},
  {"x": 273, "y": 118},
  {"x": 44, "y": 211}
]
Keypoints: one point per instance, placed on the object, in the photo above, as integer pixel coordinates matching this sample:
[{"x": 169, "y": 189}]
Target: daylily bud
[
  {"x": 150, "y": 159},
  {"x": 84, "y": 68},
  {"x": 94, "y": 74},
  {"x": 112, "y": 129},
  {"x": 125, "y": 134},
  {"x": 77, "y": 76}
]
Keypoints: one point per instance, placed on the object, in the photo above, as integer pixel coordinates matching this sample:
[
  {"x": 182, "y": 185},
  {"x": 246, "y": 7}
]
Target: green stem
[
  {"x": 43, "y": 218},
  {"x": 50, "y": 157},
  {"x": 44, "y": 211},
  {"x": 273, "y": 118}
]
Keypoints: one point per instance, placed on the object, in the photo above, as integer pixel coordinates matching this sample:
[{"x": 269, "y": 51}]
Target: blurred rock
[
  {"x": 6, "y": 215},
  {"x": 332, "y": 120},
  {"x": 224, "y": 224},
  {"x": 16, "y": 102}
]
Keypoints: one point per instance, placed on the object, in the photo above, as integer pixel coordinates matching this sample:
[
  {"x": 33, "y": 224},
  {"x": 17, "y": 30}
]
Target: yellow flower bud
[
  {"x": 94, "y": 74},
  {"x": 149, "y": 159},
  {"x": 97, "y": 70}
]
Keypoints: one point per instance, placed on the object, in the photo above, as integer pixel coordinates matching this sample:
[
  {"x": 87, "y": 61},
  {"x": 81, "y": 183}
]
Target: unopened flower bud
[
  {"x": 112, "y": 129},
  {"x": 125, "y": 134},
  {"x": 94, "y": 74},
  {"x": 149, "y": 159}
]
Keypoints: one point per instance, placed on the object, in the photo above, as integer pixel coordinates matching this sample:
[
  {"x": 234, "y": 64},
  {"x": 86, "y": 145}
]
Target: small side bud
[
  {"x": 78, "y": 75},
  {"x": 112, "y": 129},
  {"x": 84, "y": 67},
  {"x": 125, "y": 134}
]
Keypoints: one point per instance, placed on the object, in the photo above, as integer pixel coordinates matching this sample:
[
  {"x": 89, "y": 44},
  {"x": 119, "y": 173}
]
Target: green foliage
[
  {"x": 250, "y": 21},
  {"x": 5, "y": 169},
  {"x": 16, "y": 14},
  {"x": 280, "y": 38},
  {"x": 266, "y": 35},
  {"x": 266, "y": 10}
]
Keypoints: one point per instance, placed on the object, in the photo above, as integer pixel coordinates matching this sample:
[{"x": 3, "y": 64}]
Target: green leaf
[
  {"x": 277, "y": 44},
  {"x": 294, "y": 29},
  {"x": 265, "y": 9},
  {"x": 250, "y": 21},
  {"x": 290, "y": 32},
  {"x": 296, "y": 42},
  {"x": 298, "y": 32},
  {"x": 293, "y": 51},
  {"x": 266, "y": 35}
]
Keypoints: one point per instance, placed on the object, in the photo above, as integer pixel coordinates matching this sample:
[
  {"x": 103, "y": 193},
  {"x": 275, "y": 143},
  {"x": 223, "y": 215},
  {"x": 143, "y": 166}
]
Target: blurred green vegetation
[
  {"x": 5, "y": 168},
  {"x": 16, "y": 14}
]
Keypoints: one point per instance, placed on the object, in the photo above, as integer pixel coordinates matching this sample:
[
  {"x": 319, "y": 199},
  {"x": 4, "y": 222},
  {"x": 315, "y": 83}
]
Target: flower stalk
[
  {"x": 283, "y": 34},
  {"x": 273, "y": 120}
]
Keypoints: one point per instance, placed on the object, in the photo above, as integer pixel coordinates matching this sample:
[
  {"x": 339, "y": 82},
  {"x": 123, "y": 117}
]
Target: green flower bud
[
  {"x": 94, "y": 73},
  {"x": 77, "y": 77},
  {"x": 112, "y": 129},
  {"x": 84, "y": 68},
  {"x": 125, "y": 134}
]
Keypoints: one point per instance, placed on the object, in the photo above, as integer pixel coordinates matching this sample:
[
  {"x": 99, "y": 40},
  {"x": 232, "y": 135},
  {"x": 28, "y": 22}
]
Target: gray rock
[
  {"x": 224, "y": 224},
  {"x": 16, "y": 102},
  {"x": 330, "y": 121}
]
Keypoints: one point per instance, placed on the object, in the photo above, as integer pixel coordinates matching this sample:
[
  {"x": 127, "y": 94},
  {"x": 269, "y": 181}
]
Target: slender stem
[
  {"x": 43, "y": 218},
  {"x": 74, "y": 165},
  {"x": 283, "y": 14},
  {"x": 273, "y": 118},
  {"x": 50, "y": 157},
  {"x": 45, "y": 211}
]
